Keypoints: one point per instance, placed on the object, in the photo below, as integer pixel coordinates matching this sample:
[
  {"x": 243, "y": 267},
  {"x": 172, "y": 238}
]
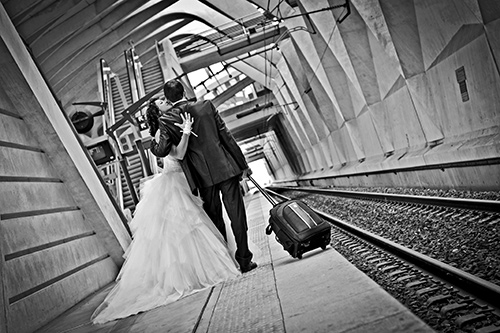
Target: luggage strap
[{"x": 298, "y": 213}]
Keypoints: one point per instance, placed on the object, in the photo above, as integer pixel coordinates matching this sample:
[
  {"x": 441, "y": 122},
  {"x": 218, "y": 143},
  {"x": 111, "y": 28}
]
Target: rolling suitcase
[{"x": 296, "y": 226}]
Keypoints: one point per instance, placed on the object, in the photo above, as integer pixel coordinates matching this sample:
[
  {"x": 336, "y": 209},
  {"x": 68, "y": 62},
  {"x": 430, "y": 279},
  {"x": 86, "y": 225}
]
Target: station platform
[{"x": 322, "y": 292}]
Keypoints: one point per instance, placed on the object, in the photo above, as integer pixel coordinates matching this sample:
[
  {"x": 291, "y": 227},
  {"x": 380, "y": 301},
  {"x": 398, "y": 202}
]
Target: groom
[{"x": 213, "y": 164}]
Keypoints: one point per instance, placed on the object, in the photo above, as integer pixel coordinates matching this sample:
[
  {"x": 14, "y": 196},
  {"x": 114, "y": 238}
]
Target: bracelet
[{"x": 190, "y": 132}]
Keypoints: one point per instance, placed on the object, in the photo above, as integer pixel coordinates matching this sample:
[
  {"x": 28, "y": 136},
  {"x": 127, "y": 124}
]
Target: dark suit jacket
[{"x": 213, "y": 156}]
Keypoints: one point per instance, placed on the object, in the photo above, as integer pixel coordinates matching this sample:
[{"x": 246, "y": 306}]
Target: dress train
[{"x": 176, "y": 250}]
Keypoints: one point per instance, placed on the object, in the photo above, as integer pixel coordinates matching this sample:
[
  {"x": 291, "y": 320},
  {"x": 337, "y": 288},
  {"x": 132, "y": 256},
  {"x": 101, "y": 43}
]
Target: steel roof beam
[{"x": 218, "y": 54}]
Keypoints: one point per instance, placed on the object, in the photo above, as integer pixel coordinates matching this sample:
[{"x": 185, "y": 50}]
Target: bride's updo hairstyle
[{"x": 152, "y": 115}]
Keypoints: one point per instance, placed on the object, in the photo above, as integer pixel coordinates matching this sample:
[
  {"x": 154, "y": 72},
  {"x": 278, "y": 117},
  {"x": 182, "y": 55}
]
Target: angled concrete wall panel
[
  {"x": 403, "y": 27},
  {"x": 438, "y": 22}
]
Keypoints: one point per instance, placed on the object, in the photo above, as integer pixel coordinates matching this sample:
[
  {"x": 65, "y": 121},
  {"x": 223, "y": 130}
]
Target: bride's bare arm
[{"x": 179, "y": 151}]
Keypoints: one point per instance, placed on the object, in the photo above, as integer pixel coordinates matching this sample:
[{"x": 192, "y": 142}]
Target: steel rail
[
  {"x": 474, "y": 204},
  {"x": 480, "y": 288}
]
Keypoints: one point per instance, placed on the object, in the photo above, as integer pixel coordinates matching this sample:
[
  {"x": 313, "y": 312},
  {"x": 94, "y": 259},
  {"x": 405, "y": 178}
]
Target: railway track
[
  {"x": 490, "y": 207},
  {"x": 447, "y": 298}
]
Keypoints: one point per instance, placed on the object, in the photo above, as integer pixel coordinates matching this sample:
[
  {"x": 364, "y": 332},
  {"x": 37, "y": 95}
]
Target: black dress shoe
[{"x": 249, "y": 267}]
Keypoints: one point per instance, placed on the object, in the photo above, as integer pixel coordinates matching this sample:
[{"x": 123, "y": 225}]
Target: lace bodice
[{"x": 171, "y": 164}]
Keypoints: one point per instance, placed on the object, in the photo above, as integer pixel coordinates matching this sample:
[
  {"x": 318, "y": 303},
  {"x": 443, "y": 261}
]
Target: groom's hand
[{"x": 247, "y": 172}]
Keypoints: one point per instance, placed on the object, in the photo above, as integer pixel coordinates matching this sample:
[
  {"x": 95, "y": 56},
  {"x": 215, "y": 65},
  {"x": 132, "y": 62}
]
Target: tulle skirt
[{"x": 176, "y": 251}]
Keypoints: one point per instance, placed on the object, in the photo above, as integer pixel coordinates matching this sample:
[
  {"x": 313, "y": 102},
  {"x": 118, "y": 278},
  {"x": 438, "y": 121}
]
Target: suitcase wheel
[
  {"x": 299, "y": 255},
  {"x": 269, "y": 229},
  {"x": 323, "y": 247}
]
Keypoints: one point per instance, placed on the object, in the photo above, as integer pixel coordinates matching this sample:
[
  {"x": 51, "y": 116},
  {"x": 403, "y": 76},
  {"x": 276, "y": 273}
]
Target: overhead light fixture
[{"x": 257, "y": 108}]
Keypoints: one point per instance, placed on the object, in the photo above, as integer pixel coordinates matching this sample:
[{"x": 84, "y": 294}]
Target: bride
[{"x": 176, "y": 249}]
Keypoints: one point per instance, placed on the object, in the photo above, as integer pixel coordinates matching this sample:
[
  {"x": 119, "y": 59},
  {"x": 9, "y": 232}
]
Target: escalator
[
  {"x": 152, "y": 77},
  {"x": 120, "y": 90}
]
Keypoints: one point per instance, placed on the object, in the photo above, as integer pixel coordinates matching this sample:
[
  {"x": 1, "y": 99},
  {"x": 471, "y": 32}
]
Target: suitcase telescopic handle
[{"x": 264, "y": 192}]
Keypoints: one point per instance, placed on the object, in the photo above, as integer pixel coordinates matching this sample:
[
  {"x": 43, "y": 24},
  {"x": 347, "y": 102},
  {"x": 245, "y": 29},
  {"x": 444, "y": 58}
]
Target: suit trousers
[{"x": 235, "y": 208}]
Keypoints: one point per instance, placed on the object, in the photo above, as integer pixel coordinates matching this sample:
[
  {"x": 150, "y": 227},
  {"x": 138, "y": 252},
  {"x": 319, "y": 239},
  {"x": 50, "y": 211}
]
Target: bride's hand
[{"x": 187, "y": 123}]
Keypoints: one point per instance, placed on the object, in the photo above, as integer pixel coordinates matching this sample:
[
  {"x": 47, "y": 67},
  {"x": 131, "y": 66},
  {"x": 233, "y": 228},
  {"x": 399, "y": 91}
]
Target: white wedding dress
[{"x": 176, "y": 250}]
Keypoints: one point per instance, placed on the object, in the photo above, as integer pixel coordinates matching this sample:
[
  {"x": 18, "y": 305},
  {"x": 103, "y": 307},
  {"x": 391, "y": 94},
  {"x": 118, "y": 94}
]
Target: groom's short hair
[{"x": 173, "y": 90}]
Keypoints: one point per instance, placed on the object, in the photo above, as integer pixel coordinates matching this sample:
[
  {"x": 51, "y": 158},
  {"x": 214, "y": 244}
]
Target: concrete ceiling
[{"x": 67, "y": 39}]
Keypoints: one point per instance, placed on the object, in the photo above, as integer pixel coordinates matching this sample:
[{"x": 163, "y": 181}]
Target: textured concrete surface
[{"x": 322, "y": 292}]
